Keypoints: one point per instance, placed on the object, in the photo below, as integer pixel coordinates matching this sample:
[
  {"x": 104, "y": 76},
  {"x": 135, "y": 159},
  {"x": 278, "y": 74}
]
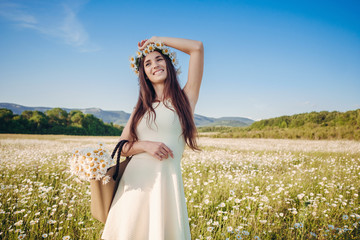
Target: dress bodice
[{"x": 166, "y": 128}]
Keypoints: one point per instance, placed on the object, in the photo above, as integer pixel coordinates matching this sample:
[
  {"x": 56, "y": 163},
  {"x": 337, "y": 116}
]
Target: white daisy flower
[
  {"x": 19, "y": 223},
  {"x": 106, "y": 179},
  {"x": 97, "y": 177},
  {"x": 21, "y": 236},
  {"x": 174, "y": 61},
  {"x": 146, "y": 51},
  {"x": 165, "y": 50},
  {"x": 133, "y": 66},
  {"x": 159, "y": 45},
  {"x": 139, "y": 54},
  {"x": 151, "y": 47},
  {"x": 132, "y": 59}
]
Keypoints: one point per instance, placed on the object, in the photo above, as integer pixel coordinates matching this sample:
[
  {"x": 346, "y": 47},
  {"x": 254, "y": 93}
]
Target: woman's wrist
[
  {"x": 144, "y": 145},
  {"x": 137, "y": 147},
  {"x": 154, "y": 39}
]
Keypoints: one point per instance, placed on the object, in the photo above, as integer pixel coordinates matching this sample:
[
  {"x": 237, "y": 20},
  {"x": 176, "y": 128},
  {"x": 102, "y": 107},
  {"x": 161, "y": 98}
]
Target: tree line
[
  {"x": 56, "y": 121},
  {"x": 313, "y": 125}
]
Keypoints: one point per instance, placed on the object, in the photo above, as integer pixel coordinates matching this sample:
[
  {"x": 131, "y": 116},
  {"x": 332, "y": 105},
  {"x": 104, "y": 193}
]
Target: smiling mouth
[{"x": 158, "y": 71}]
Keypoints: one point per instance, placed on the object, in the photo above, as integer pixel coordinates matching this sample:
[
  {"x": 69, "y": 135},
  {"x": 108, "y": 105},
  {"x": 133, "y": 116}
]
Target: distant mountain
[
  {"x": 117, "y": 117},
  {"x": 202, "y": 121},
  {"x": 121, "y": 117}
]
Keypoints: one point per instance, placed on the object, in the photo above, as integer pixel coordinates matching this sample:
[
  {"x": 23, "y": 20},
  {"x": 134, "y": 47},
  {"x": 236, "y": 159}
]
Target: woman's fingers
[
  {"x": 143, "y": 44},
  {"x": 140, "y": 44},
  {"x": 161, "y": 157},
  {"x": 158, "y": 150},
  {"x": 168, "y": 151},
  {"x": 164, "y": 152}
]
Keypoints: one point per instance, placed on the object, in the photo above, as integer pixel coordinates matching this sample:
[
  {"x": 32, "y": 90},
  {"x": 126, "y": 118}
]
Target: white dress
[{"x": 150, "y": 202}]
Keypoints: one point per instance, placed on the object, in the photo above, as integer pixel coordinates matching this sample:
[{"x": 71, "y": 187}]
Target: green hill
[
  {"x": 313, "y": 125},
  {"x": 56, "y": 121}
]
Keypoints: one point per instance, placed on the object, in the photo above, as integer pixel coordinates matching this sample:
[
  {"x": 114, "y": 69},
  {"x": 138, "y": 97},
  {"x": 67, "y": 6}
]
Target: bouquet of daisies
[{"x": 91, "y": 163}]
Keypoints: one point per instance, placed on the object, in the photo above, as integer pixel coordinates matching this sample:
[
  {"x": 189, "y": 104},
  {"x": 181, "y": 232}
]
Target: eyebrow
[{"x": 155, "y": 58}]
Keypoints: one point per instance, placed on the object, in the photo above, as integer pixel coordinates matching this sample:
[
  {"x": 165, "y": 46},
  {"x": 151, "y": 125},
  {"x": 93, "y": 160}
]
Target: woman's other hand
[
  {"x": 141, "y": 43},
  {"x": 158, "y": 150}
]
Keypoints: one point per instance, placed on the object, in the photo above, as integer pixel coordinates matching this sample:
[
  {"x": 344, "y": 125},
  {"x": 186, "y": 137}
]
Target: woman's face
[{"x": 155, "y": 67}]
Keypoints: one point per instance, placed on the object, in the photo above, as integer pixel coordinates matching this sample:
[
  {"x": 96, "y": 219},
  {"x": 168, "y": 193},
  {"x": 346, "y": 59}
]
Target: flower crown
[{"x": 156, "y": 46}]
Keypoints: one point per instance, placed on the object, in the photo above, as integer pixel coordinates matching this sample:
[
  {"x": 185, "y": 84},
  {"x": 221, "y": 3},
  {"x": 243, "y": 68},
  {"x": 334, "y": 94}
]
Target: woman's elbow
[{"x": 200, "y": 46}]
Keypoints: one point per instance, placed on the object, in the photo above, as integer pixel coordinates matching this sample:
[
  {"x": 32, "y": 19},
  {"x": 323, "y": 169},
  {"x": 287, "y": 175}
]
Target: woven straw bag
[{"x": 103, "y": 194}]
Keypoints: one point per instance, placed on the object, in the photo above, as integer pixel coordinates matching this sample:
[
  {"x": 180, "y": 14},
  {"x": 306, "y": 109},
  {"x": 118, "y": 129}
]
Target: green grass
[{"x": 230, "y": 193}]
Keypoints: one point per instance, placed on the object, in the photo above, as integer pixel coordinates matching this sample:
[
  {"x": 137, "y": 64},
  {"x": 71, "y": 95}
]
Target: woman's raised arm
[{"x": 196, "y": 64}]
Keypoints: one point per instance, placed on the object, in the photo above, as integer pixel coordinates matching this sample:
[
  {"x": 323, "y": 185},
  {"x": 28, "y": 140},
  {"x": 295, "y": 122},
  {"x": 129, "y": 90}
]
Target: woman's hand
[
  {"x": 158, "y": 150},
  {"x": 142, "y": 45}
]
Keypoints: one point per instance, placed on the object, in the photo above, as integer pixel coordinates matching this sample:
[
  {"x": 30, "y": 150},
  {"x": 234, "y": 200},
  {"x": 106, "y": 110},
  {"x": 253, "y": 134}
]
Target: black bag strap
[{"x": 118, "y": 149}]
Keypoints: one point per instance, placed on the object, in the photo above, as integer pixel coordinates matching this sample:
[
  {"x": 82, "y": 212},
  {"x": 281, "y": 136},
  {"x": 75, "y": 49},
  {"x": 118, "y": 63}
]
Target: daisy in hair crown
[{"x": 156, "y": 46}]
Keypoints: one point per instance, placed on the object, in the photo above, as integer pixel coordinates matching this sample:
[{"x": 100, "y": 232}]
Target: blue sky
[{"x": 263, "y": 59}]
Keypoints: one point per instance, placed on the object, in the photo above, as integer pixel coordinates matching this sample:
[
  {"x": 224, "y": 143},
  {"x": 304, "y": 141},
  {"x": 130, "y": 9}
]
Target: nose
[{"x": 156, "y": 66}]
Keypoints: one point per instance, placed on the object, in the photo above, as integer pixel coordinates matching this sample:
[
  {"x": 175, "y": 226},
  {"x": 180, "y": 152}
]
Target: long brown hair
[{"x": 172, "y": 91}]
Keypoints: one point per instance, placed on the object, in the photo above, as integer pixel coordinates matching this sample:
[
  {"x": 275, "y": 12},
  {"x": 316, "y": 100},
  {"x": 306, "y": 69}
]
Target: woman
[{"x": 150, "y": 201}]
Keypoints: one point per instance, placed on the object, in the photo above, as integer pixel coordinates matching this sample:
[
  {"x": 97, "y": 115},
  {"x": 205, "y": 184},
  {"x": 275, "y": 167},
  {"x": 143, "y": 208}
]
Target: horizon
[
  {"x": 290, "y": 57},
  {"x": 255, "y": 120}
]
